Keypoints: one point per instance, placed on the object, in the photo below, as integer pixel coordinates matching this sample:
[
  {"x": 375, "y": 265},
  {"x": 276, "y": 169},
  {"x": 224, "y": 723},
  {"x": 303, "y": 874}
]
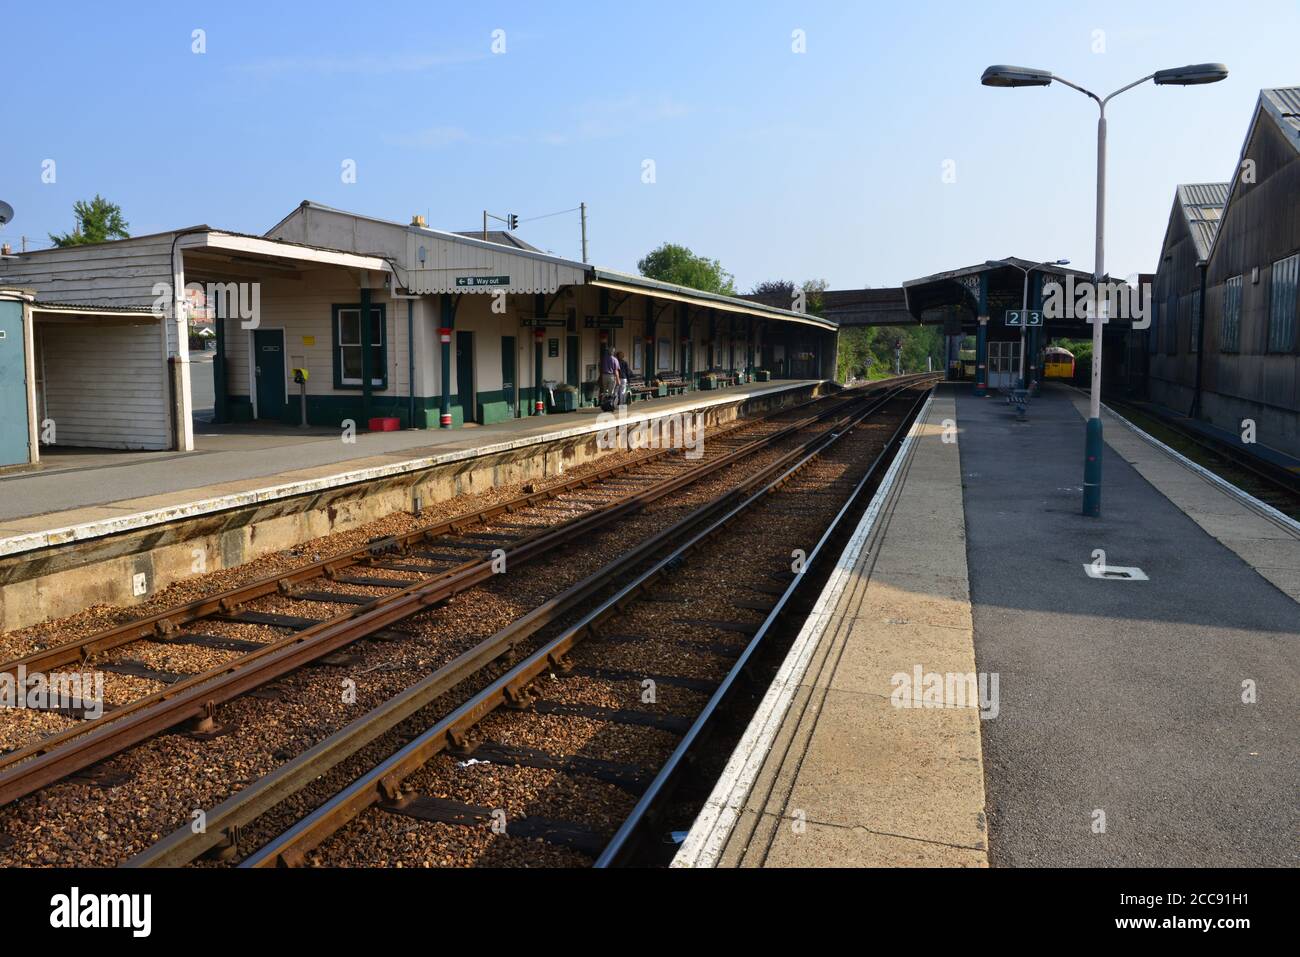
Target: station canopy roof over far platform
[
  {"x": 944, "y": 295},
  {"x": 430, "y": 261}
]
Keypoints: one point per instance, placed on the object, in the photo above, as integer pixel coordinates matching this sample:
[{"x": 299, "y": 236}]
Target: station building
[
  {"x": 1223, "y": 345},
  {"x": 385, "y": 320}
]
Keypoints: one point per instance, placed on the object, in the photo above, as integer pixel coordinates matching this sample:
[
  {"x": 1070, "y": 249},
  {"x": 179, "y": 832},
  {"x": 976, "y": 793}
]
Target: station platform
[
  {"x": 75, "y": 495},
  {"x": 1137, "y": 719}
]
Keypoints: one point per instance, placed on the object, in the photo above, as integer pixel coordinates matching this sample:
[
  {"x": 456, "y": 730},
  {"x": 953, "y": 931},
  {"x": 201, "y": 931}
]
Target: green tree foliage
[
  {"x": 867, "y": 352},
  {"x": 677, "y": 264},
  {"x": 98, "y": 221}
]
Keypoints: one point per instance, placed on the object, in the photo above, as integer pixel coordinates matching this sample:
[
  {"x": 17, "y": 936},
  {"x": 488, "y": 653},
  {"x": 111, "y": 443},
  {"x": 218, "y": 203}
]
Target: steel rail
[
  {"x": 383, "y": 783},
  {"x": 224, "y": 820},
  {"x": 197, "y": 696},
  {"x": 162, "y": 623},
  {"x": 622, "y": 844},
  {"x": 1276, "y": 476}
]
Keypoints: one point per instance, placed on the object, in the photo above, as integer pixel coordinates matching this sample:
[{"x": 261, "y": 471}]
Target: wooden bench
[
  {"x": 674, "y": 383},
  {"x": 638, "y": 388}
]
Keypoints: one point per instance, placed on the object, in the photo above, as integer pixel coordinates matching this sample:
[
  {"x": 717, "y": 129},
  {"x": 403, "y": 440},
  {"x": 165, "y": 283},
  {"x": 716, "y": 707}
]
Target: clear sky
[{"x": 828, "y": 163}]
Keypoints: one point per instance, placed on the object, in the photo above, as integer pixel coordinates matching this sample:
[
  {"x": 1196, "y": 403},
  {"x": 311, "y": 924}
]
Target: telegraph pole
[{"x": 582, "y": 207}]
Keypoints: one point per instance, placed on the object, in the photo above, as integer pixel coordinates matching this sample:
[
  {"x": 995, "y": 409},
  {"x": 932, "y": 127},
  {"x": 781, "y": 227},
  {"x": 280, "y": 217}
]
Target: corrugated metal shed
[
  {"x": 1202, "y": 205},
  {"x": 1284, "y": 104}
]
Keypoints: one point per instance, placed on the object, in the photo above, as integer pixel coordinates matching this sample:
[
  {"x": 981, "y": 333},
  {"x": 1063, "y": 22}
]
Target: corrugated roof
[
  {"x": 1284, "y": 104},
  {"x": 611, "y": 277},
  {"x": 1202, "y": 205}
]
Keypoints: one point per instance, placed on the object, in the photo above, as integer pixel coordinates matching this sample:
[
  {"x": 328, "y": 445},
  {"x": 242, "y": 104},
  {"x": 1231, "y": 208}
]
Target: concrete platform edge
[{"x": 31, "y": 541}]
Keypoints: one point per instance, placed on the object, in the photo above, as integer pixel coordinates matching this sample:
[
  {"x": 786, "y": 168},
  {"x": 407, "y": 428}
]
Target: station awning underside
[
  {"x": 640, "y": 285},
  {"x": 953, "y": 298}
]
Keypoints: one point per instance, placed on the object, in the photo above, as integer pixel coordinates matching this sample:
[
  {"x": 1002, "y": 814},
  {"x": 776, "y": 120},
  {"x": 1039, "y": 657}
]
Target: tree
[
  {"x": 98, "y": 221},
  {"x": 677, "y": 264},
  {"x": 813, "y": 289}
]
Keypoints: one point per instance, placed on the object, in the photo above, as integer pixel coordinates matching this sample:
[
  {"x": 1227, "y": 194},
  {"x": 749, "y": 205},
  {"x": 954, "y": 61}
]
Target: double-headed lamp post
[
  {"x": 1024, "y": 300},
  {"x": 1024, "y": 76}
]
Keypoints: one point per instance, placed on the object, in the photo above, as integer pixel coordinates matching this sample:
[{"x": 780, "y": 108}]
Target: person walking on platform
[{"x": 609, "y": 376}]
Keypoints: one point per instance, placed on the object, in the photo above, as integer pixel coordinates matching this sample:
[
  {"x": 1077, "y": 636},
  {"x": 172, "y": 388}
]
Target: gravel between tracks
[{"x": 155, "y": 787}]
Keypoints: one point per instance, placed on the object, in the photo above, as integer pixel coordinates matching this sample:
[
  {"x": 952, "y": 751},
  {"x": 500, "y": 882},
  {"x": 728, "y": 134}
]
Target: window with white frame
[{"x": 348, "y": 348}]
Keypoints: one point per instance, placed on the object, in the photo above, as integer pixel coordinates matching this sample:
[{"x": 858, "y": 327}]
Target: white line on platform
[{"x": 708, "y": 835}]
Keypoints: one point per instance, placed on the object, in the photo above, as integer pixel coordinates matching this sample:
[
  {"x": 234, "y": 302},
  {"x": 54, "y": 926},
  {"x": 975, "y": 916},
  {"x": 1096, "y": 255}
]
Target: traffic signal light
[{"x": 513, "y": 223}]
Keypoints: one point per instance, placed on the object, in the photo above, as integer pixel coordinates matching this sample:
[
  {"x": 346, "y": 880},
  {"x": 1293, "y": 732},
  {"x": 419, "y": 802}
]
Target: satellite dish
[{"x": 6, "y": 212}]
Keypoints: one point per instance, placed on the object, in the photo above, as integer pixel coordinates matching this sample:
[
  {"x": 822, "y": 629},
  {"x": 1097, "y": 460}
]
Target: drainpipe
[
  {"x": 367, "y": 360},
  {"x": 447, "y": 315},
  {"x": 539, "y": 332},
  {"x": 410, "y": 361},
  {"x": 1200, "y": 344}
]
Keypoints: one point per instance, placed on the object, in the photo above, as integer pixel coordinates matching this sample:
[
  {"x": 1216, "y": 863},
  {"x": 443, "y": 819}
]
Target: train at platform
[{"x": 1058, "y": 363}]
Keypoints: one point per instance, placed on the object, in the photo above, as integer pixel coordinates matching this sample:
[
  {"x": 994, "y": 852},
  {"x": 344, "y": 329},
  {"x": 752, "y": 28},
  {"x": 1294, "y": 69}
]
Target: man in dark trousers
[{"x": 609, "y": 380}]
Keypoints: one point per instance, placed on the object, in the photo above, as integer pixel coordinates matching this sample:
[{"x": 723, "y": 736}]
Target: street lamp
[
  {"x": 1024, "y": 300},
  {"x": 1013, "y": 76}
]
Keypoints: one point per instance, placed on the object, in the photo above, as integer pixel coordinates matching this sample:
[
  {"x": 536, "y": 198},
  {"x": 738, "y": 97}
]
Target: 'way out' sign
[{"x": 482, "y": 280}]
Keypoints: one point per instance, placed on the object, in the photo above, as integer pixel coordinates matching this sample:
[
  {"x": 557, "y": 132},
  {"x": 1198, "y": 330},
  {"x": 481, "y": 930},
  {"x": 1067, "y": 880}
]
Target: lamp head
[
  {"x": 1003, "y": 75},
  {"x": 1192, "y": 75}
]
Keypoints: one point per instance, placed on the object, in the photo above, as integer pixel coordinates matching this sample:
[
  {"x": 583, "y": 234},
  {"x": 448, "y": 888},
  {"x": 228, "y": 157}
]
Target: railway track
[
  {"x": 1271, "y": 484},
  {"x": 370, "y": 591},
  {"x": 569, "y": 756}
]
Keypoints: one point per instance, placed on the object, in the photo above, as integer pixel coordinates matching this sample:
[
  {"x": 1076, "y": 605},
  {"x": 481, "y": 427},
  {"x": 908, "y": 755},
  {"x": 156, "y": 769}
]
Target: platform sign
[
  {"x": 558, "y": 322},
  {"x": 1023, "y": 317},
  {"x": 604, "y": 322},
  {"x": 482, "y": 280}
]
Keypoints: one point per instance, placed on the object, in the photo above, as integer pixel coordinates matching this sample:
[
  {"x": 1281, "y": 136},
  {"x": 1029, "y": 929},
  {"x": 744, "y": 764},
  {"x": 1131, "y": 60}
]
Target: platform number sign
[{"x": 1024, "y": 317}]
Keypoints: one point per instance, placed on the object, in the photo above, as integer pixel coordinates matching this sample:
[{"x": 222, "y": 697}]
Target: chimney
[
  {"x": 418, "y": 220},
  {"x": 6, "y": 250}
]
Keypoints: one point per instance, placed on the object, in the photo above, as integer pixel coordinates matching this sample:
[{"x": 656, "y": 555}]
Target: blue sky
[{"x": 823, "y": 164}]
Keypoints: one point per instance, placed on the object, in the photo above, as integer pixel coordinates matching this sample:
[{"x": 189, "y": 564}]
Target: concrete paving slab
[
  {"x": 860, "y": 847},
  {"x": 914, "y": 772}
]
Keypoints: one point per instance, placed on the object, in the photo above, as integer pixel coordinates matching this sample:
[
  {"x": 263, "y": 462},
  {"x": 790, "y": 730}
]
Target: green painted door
[
  {"x": 268, "y": 359},
  {"x": 571, "y": 361},
  {"x": 508, "y": 375},
  {"x": 14, "y": 435},
  {"x": 465, "y": 394}
]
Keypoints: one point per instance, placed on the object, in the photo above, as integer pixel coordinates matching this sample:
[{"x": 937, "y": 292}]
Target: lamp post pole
[{"x": 1013, "y": 76}]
